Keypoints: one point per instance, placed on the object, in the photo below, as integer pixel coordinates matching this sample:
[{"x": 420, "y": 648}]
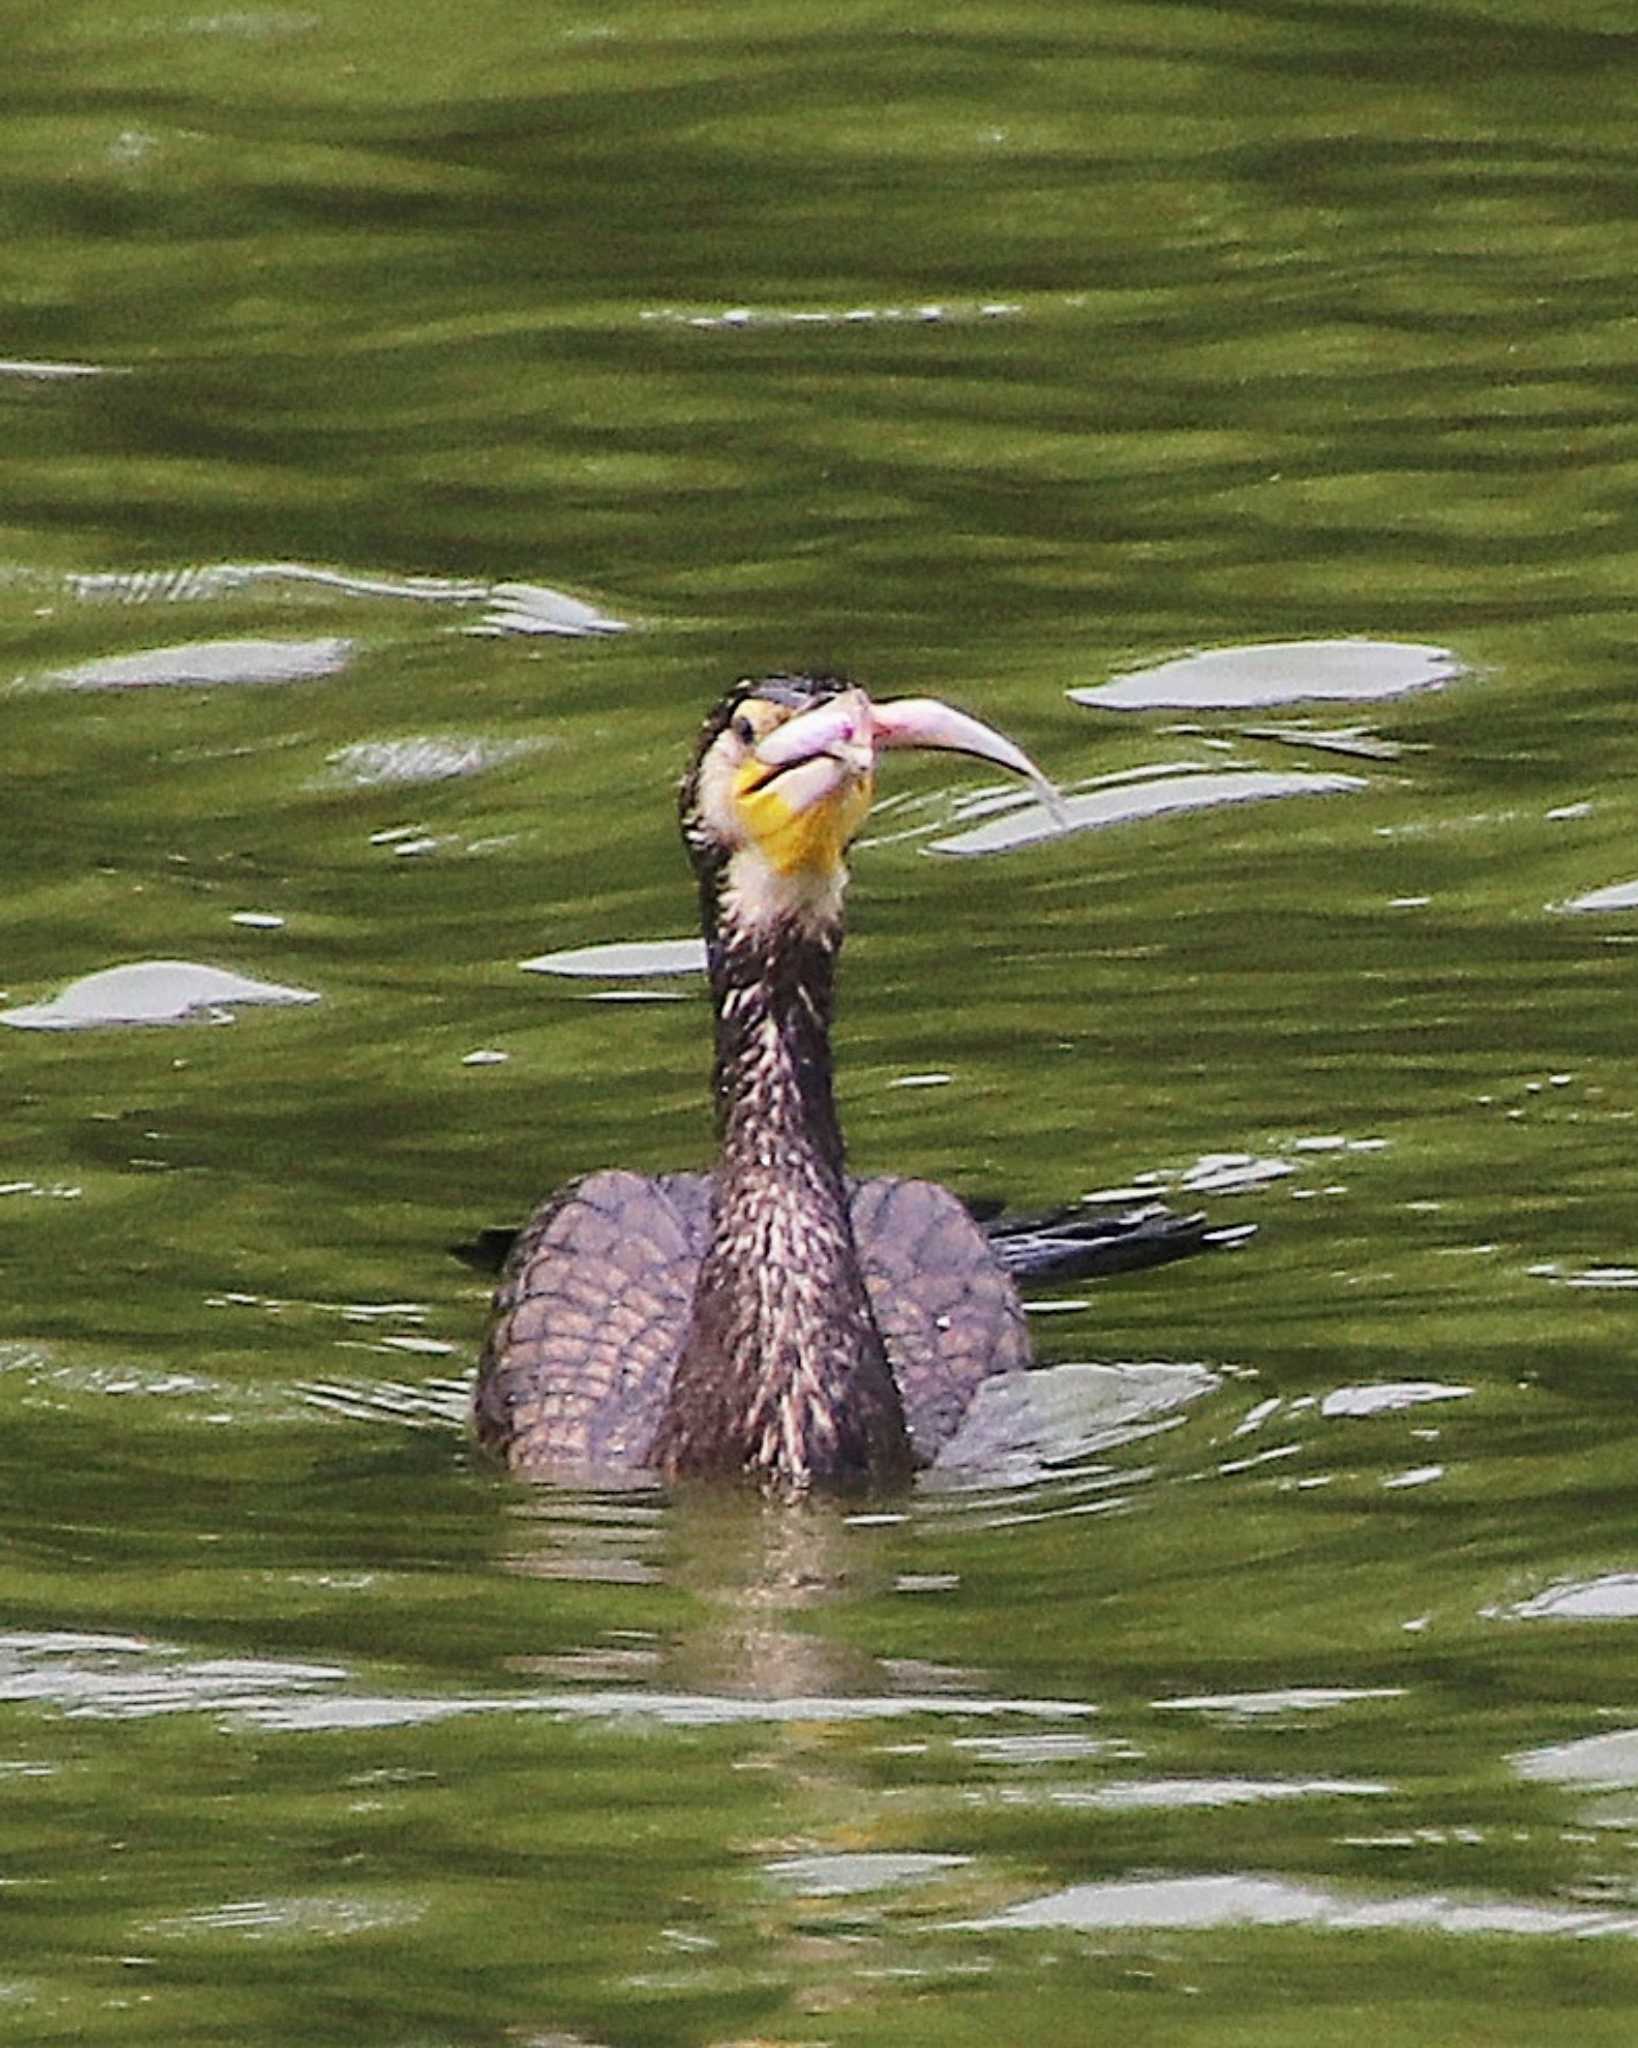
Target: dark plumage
[{"x": 575, "y": 1379}]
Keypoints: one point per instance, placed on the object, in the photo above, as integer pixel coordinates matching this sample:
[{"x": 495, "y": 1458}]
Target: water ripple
[
  {"x": 623, "y": 957},
  {"x": 670, "y": 1710},
  {"x": 151, "y": 992},
  {"x": 840, "y": 1876},
  {"x": 129, "y": 1678},
  {"x": 1385, "y": 1397},
  {"x": 1618, "y": 896},
  {"x": 1166, "y": 795},
  {"x": 1130, "y": 1795},
  {"x": 1286, "y": 1699},
  {"x": 1277, "y": 672},
  {"x": 1614, "y": 1597},
  {"x": 380, "y": 764},
  {"x": 1241, "y": 1900},
  {"x": 198, "y": 664},
  {"x": 513, "y": 607}
]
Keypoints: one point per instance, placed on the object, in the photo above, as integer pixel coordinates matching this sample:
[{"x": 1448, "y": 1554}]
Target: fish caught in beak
[{"x": 824, "y": 759}]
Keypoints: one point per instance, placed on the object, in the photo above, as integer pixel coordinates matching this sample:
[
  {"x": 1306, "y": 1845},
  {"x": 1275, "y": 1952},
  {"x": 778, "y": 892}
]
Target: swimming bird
[{"x": 774, "y": 1319}]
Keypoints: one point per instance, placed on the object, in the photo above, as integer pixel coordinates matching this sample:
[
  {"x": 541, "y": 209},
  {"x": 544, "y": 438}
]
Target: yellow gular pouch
[{"x": 802, "y": 818}]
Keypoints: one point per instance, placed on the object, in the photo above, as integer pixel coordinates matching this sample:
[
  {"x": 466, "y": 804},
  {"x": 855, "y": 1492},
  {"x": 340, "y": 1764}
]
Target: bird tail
[{"x": 1079, "y": 1243}]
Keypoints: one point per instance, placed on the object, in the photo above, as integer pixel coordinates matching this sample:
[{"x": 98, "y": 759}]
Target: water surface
[{"x": 441, "y": 409}]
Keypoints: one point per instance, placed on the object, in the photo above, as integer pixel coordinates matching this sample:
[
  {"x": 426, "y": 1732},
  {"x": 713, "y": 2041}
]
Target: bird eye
[{"x": 743, "y": 730}]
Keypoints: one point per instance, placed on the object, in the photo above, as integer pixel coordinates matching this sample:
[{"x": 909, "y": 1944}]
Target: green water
[{"x": 1256, "y": 322}]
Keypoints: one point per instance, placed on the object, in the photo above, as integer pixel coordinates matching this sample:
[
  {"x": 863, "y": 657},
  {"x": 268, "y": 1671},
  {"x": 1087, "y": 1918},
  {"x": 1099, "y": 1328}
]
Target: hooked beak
[{"x": 848, "y": 731}]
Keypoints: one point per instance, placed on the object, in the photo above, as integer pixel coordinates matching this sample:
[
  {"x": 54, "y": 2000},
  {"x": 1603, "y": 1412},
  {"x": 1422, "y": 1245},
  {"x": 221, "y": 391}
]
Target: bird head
[{"x": 783, "y": 778}]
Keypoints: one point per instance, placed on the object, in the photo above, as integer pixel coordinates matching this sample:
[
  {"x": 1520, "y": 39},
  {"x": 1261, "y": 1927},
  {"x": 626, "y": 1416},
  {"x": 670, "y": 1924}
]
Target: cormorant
[{"x": 773, "y": 1318}]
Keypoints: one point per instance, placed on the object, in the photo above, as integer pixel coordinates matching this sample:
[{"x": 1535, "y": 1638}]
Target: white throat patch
[{"x": 756, "y": 895}]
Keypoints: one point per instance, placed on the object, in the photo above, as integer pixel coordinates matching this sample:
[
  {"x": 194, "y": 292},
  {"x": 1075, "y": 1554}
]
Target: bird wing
[
  {"x": 590, "y": 1314},
  {"x": 593, "y": 1306},
  {"x": 947, "y": 1310}
]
